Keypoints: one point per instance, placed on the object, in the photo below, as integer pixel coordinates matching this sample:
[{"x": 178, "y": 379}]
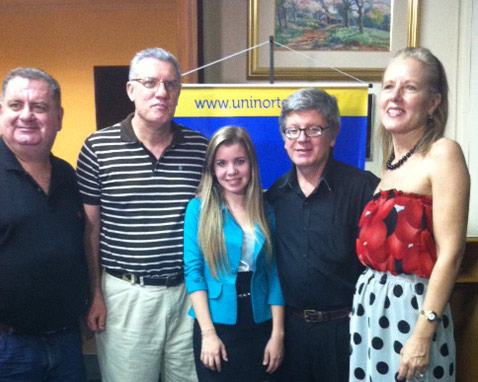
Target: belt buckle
[
  {"x": 311, "y": 315},
  {"x": 129, "y": 277}
]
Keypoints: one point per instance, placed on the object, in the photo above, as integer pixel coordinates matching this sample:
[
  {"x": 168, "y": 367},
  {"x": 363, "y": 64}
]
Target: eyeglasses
[
  {"x": 311, "y": 131},
  {"x": 153, "y": 84}
]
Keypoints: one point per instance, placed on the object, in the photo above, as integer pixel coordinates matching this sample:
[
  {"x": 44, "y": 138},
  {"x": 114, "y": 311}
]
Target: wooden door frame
[{"x": 187, "y": 21}]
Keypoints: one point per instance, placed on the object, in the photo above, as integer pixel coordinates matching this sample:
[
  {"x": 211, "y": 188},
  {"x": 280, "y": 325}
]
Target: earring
[{"x": 430, "y": 118}]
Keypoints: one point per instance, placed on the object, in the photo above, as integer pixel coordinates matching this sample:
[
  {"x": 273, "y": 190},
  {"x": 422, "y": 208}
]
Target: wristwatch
[{"x": 430, "y": 315}]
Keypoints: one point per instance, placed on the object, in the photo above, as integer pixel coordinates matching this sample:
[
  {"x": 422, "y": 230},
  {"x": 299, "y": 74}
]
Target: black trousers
[
  {"x": 245, "y": 343},
  {"x": 315, "y": 352}
]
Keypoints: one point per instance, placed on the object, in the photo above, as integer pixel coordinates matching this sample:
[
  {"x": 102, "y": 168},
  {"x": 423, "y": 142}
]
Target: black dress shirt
[{"x": 315, "y": 235}]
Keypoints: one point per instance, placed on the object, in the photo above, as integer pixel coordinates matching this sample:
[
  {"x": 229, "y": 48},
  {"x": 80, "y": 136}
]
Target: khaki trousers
[{"x": 148, "y": 333}]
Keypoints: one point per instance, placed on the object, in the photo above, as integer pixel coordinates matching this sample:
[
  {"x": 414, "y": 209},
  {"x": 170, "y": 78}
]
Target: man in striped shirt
[{"x": 136, "y": 178}]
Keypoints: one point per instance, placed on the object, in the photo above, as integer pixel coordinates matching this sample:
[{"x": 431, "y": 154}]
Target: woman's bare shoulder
[
  {"x": 445, "y": 149},
  {"x": 447, "y": 162}
]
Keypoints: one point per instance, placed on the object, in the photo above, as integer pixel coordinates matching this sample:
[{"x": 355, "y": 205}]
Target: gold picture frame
[{"x": 288, "y": 65}]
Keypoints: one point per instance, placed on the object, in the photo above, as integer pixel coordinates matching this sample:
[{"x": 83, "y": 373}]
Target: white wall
[
  {"x": 470, "y": 120},
  {"x": 446, "y": 27}
]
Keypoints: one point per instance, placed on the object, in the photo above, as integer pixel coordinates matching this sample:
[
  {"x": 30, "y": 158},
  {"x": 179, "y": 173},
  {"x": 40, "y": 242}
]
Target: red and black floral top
[{"x": 396, "y": 234}]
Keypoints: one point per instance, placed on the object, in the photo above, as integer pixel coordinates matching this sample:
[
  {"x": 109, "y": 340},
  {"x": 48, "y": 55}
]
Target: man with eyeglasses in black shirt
[{"x": 317, "y": 206}]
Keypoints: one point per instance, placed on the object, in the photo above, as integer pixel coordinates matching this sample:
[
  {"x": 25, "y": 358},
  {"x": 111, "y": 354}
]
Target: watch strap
[{"x": 430, "y": 315}]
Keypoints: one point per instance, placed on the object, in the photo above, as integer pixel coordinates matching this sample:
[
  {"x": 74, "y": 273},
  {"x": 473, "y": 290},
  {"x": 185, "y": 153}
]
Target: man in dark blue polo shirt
[
  {"x": 317, "y": 205},
  {"x": 43, "y": 275}
]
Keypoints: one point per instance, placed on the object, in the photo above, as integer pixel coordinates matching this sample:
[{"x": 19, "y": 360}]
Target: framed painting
[{"x": 314, "y": 37}]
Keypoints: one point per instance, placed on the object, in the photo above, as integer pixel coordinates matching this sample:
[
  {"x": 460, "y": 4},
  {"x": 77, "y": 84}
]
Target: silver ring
[{"x": 421, "y": 375}]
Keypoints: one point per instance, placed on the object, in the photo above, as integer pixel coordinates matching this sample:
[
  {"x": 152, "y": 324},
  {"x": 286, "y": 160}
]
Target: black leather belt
[
  {"x": 7, "y": 329},
  {"x": 168, "y": 281},
  {"x": 11, "y": 330},
  {"x": 311, "y": 315}
]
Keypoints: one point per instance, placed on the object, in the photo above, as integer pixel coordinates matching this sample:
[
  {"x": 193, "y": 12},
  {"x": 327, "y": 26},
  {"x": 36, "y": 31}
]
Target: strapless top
[{"x": 396, "y": 234}]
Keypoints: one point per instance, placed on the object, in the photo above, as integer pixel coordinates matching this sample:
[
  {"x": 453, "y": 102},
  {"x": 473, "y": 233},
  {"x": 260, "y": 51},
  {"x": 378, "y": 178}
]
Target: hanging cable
[
  {"x": 321, "y": 63},
  {"x": 282, "y": 46},
  {"x": 225, "y": 58}
]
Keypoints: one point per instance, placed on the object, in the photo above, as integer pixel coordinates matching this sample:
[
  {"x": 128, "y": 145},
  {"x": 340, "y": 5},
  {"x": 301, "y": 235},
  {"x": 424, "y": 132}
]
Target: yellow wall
[{"x": 67, "y": 40}]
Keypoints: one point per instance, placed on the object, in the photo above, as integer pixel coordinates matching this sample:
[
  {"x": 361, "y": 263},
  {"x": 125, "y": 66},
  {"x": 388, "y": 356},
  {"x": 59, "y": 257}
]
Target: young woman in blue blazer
[{"x": 229, "y": 266}]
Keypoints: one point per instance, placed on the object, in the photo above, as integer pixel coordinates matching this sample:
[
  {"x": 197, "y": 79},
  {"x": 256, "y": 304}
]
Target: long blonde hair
[
  {"x": 211, "y": 220},
  {"x": 438, "y": 84}
]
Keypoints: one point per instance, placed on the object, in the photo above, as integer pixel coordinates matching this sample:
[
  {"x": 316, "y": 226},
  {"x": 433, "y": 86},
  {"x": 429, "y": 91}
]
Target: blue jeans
[{"x": 53, "y": 357}]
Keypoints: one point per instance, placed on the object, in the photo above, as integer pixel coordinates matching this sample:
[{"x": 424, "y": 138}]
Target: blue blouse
[{"x": 222, "y": 296}]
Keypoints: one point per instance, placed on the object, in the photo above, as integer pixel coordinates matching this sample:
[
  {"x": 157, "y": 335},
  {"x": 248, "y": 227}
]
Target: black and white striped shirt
[{"x": 143, "y": 200}]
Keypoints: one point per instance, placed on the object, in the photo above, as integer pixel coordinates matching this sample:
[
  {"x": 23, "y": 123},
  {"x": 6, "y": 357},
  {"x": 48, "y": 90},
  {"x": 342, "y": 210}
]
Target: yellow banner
[{"x": 258, "y": 101}]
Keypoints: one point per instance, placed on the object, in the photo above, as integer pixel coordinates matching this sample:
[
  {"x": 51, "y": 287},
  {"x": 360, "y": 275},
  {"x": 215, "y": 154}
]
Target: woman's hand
[
  {"x": 273, "y": 353},
  {"x": 414, "y": 358},
  {"x": 212, "y": 351}
]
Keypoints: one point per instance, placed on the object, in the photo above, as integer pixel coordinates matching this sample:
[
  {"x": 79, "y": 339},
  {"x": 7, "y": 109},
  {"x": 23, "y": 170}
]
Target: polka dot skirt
[{"x": 385, "y": 309}]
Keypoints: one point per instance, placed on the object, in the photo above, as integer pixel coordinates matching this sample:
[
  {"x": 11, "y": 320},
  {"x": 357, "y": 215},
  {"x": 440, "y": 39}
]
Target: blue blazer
[{"x": 222, "y": 296}]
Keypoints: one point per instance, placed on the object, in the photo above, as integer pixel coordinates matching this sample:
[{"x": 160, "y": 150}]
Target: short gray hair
[
  {"x": 34, "y": 74},
  {"x": 311, "y": 99},
  {"x": 158, "y": 54}
]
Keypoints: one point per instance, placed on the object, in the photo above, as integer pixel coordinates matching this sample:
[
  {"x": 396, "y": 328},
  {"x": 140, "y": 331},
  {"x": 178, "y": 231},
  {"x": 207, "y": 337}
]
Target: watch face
[{"x": 430, "y": 315}]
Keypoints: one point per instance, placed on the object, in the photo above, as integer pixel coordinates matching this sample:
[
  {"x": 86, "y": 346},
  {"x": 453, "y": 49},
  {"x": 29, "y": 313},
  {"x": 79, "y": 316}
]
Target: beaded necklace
[{"x": 402, "y": 160}]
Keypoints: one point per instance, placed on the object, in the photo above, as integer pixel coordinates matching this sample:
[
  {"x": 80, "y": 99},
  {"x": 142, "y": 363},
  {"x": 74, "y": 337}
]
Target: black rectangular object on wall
[{"x": 111, "y": 101}]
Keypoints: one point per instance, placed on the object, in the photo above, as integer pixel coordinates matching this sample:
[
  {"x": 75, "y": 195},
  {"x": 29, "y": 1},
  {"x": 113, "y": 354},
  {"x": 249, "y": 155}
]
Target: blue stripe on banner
[
  {"x": 352, "y": 141},
  {"x": 272, "y": 157}
]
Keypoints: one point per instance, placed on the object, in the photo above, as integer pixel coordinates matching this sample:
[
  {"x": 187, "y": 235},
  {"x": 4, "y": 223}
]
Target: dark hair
[
  {"x": 311, "y": 99},
  {"x": 34, "y": 74},
  {"x": 437, "y": 84}
]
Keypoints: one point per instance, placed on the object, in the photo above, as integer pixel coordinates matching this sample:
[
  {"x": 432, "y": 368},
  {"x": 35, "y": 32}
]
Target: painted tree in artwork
[
  {"x": 317, "y": 9},
  {"x": 288, "y": 9},
  {"x": 333, "y": 24},
  {"x": 344, "y": 8},
  {"x": 360, "y": 4},
  {"x": 281, "y": 14},
  {"x": 291, "y": 5}
]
